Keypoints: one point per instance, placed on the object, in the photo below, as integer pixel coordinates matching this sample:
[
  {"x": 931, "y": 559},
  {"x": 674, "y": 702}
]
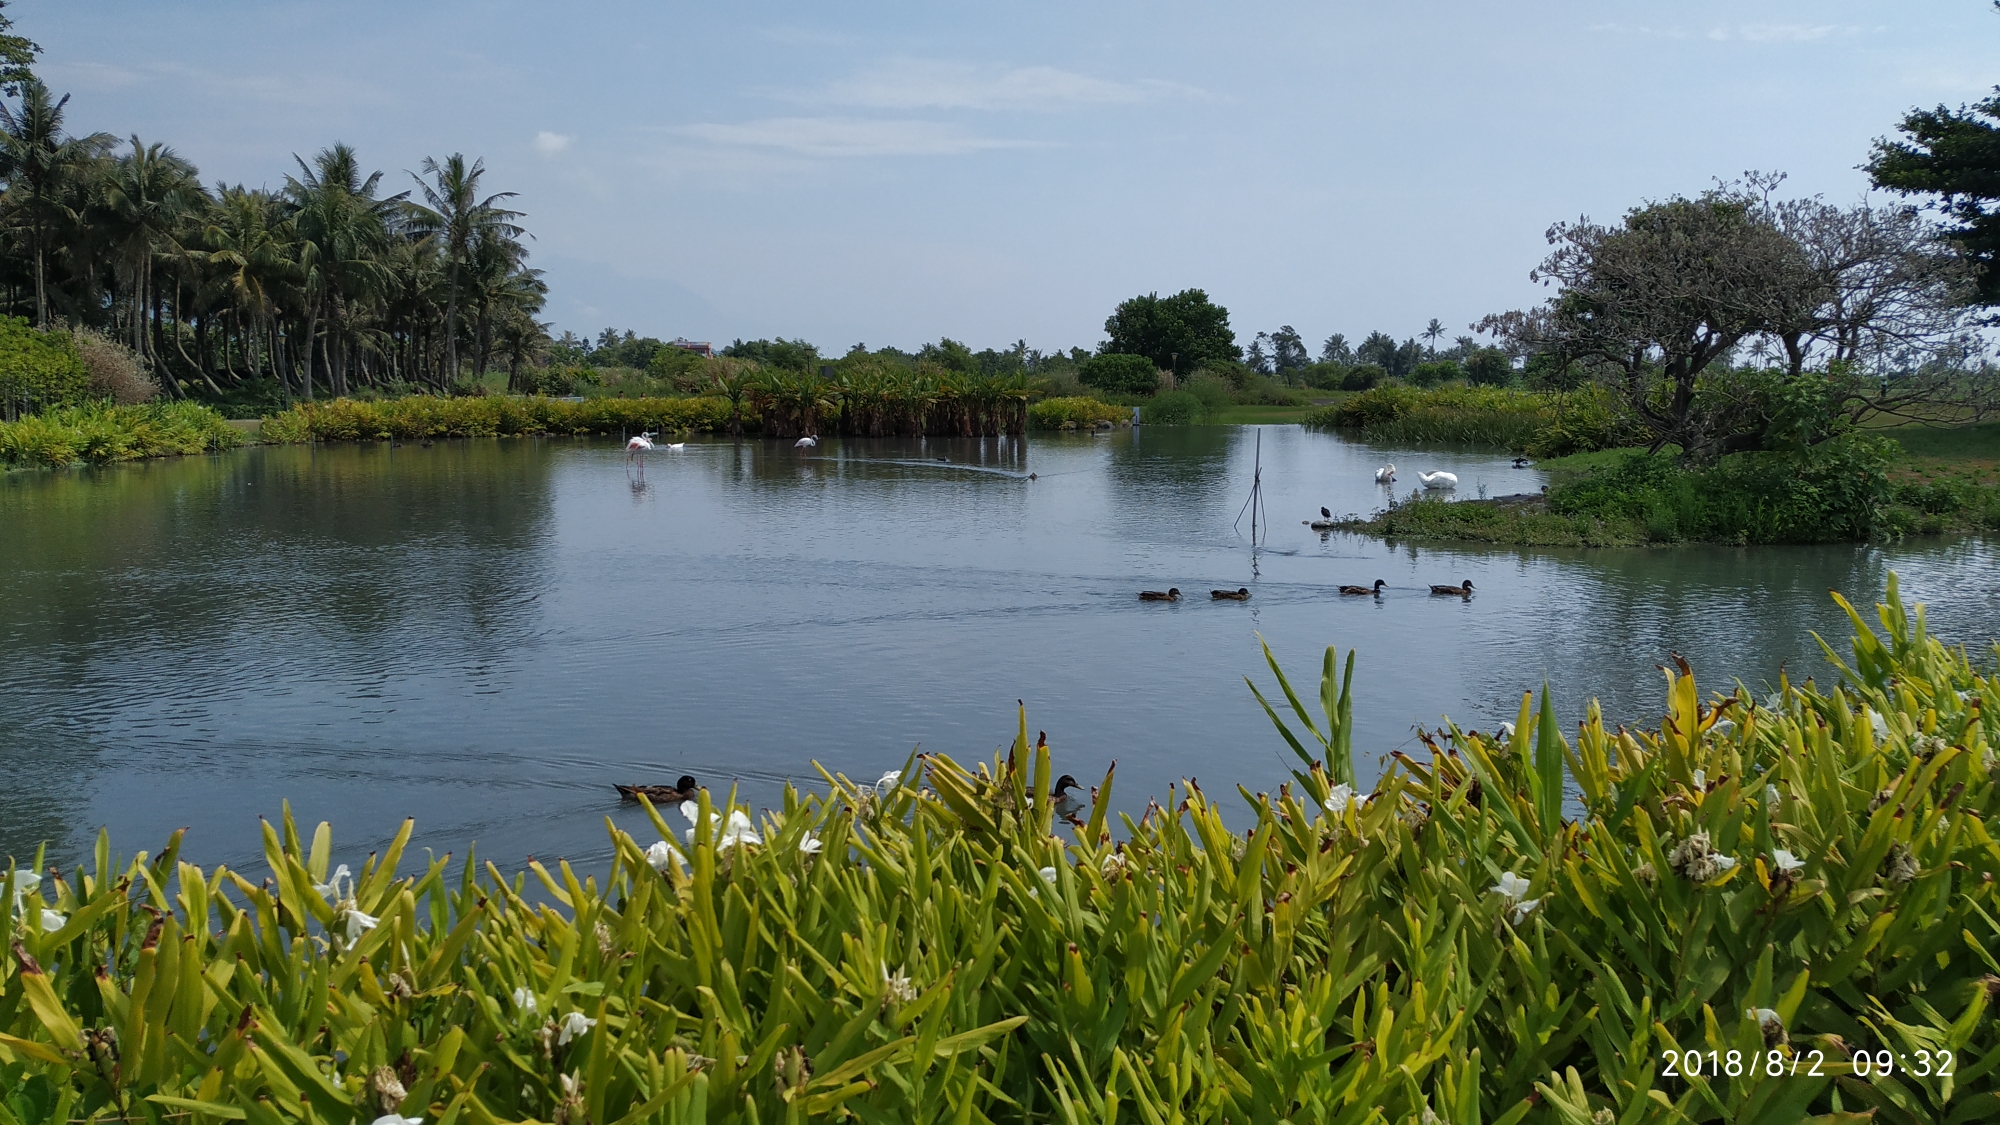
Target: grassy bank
[
  {"x": 1771, "y": 884},
  {"x": 99, "y": 434},
  {"x": 1852, "y": 489}
]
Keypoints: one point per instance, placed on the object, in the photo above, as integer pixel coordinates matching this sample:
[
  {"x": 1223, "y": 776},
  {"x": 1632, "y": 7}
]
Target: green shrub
[
  {"x": 1509, "y": 928},
  {"x": 38, "y": 369},
  {"x": 1434, "y": 373},
  {"x": 100, "y": 433},
  {"x": 1122, "y": 374},
  {"x": 1074, "y": 412},
  {"x": 1214, "y": 391},
  {"x": 1173, "y": 408},
  {"x": 1832, "y": 492}
]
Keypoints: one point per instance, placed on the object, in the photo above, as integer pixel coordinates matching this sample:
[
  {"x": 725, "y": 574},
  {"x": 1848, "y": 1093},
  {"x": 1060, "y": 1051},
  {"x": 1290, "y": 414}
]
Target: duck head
[{"x": 687, "y": 784}]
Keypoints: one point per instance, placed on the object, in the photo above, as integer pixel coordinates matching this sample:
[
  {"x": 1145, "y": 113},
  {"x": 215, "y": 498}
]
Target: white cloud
[
  {"x": 848, "y": 136},
  {"x": 549, "y": 144},
  {"x": 921, "y": 84},
  {"x": 1782, "y": 32}
]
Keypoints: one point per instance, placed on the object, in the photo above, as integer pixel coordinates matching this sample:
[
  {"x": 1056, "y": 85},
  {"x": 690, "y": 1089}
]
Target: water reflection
[{"x": 486, "y": 634}]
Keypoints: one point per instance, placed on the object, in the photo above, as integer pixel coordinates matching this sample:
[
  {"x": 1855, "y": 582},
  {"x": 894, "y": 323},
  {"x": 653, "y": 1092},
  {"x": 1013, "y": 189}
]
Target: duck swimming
[
  {"x": 1238, "y": 595},
  {"x": 1172, "y": 595},
  {"x": 1462, "y": 590},
  {"x": 685, "y": 789},
  {"x": 1375, "y": 589}
]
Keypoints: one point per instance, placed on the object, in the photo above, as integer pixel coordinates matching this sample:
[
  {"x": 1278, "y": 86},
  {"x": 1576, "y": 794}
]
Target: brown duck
[
  {"x": 1375, "y": 589},
  {"x": 1462, "y": 590},
  {"x": 1241, "y": 594},
  {"x": 1172, "y": 595},
  {"x": 683, "y": 790}
]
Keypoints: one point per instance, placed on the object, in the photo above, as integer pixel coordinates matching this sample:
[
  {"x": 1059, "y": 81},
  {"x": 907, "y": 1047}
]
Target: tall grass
[
  {"x": 101, "y": 433},
  {"x": 1771, "y": 891},
  {"x": 424, "y": 416}
]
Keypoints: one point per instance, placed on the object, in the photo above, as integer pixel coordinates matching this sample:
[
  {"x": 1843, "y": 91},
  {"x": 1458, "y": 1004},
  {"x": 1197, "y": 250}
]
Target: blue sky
[{"x": 889, "y": 173}]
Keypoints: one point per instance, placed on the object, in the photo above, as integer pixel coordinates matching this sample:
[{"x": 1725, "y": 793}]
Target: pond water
[{"x": 487, "y": 634}]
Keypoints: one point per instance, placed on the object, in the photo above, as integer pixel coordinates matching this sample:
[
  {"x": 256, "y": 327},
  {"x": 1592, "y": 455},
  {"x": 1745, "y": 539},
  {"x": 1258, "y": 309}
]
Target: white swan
[
  {"x": 677, "y": 447},
  {"x": 1386, "y": 474},
  {"x": 1438, "y": 480},
  {"x": 806, "y": 442}
]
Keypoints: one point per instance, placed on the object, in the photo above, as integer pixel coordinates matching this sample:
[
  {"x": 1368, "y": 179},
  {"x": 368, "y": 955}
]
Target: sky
[{"x": 891, "y": 173}]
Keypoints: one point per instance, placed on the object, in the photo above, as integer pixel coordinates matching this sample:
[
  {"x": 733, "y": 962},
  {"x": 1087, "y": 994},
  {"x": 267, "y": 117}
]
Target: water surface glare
[{"x": 486, "y": 634}]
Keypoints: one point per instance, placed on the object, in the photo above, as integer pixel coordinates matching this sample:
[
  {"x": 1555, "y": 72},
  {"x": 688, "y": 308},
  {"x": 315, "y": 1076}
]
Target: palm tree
[
  {"x": 251, "y": 258},
  {"x": 345, "y": 229},
  {"x": 145, "y": 196},
  {"x": 38, "y": 162},
  {"x": 459, "y": 221},
  {"x": 1434, "y": 331}
]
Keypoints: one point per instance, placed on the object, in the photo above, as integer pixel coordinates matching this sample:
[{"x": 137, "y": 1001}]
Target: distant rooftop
[{"x": 699, "y": 347}]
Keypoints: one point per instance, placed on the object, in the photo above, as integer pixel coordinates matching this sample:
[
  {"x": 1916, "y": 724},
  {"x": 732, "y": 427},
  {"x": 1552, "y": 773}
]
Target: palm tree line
[{"x": 323, "y": 285}]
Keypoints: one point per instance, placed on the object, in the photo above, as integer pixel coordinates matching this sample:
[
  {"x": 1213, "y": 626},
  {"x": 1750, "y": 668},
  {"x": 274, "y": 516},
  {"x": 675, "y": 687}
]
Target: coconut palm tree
[
  {"x": 143, "y": 200},
  {"x": 459, "y": 221},
  {"x": 345, "y": 227},
  {"x": 38, "y": 163},
  {"x": 1434, "y": 331}
]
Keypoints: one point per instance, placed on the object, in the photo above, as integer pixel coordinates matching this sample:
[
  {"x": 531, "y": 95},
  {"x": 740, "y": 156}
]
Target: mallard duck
[
  {"x": 685, "y": 789},
  {"x": 1066, "y": 805},
  {"x": 1462, "y": 590},
  {"x": 1172, "y": 595},
  {"x": 1375, "y": 589},
  {"x": 1438, "y": 479},
  {"x": 1241, "y": 594}
]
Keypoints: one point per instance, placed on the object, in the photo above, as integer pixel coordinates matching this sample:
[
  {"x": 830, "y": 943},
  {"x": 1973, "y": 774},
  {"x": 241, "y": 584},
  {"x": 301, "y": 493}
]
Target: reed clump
[
  {"x": 99, "y": 433},
  {"x": 426, "y": 416},
  {"x": 1775, "y": 894},
  {"x": 1543, "y": 424}
]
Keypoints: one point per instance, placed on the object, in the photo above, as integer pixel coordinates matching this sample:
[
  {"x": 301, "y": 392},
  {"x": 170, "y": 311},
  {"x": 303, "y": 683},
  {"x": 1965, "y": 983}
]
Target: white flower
[
  {"x": 810, "y": 844},
  {"x": 359, "y": 923},
  {"x": 1115, "y": 862},
  {"x": 1774, "y": 701},
  {"x": 1048, "y": 874},
  {"x": 1701, "y": 779},
  {"x": 52, "y": 921},
  {"x": 897, "y": 986},
  {"x": 1513, "y": 891},
  {"x": 692, "y": 811},
  {"x": 1771, "y": 796},
  {"x": 889, "y": 782},
  {"x": 1786, "y": 862},
  {"x": 330, "y": 890},
  {"x": 661, "y": 854},
  {"x": 1341, "y": 799},
  {"x": 1724, "y": 863},
  {"x": 574, "y": 1025},
  {"x": 1880, "y": 725},
  {"x": 396, "y": 1119},
  {"x": 738, "y": 831},
  {"x": 1506, "y": 730},
  {"x": 25, "y": 883}
]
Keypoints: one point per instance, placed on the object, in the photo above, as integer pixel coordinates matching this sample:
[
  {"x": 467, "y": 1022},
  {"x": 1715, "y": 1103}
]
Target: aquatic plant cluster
[
  {"x": 862, "y": 397},
  {"x": 1761, "y": 910},
  {"x": 100, "y": 433},
  {"x": 426, "y": 416}
]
